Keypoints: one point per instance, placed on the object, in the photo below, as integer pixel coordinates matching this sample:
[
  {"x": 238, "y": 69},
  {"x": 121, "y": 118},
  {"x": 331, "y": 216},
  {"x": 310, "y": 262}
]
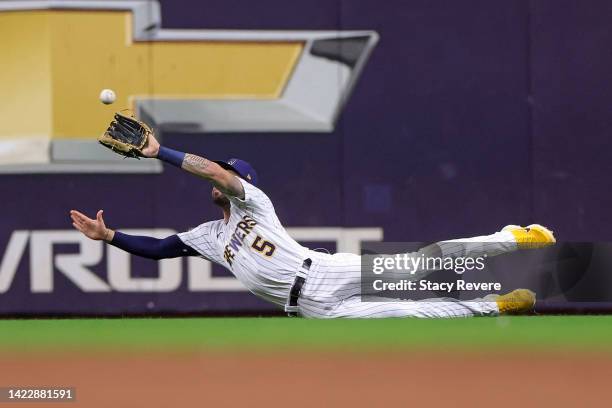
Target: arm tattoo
[
  {"x": 196, "y": 163},
  {"x": 199, "y": 166}
]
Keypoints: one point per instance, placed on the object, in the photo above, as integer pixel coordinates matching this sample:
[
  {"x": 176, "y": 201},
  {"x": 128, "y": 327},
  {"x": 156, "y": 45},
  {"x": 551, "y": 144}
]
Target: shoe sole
[{"x": 545, "y": 231}]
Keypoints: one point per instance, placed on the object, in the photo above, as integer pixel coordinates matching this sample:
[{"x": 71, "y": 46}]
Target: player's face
[{"x": 219, "y": 198}]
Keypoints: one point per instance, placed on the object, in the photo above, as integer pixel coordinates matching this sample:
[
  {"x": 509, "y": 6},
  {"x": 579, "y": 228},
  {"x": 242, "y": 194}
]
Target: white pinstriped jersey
[{"x": 253, "y": 245}]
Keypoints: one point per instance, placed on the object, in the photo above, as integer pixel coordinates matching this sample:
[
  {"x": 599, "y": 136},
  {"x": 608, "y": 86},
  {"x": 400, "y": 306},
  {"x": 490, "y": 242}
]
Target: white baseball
[{"x": 107, "y": 96}]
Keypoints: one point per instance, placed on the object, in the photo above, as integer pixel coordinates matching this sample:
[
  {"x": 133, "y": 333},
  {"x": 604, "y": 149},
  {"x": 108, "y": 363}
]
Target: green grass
[{"x": 192, "y": 334}]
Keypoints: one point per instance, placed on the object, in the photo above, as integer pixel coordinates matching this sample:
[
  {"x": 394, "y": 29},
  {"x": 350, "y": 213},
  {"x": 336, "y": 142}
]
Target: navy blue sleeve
[
  {"x": 173, "y": 157},
  {"x": 153, "y": 248}
]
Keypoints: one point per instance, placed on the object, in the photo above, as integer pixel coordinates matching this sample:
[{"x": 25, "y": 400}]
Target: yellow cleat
[
  {"x": 532, "y": 236},
  {"x": 517, "y": 301}
]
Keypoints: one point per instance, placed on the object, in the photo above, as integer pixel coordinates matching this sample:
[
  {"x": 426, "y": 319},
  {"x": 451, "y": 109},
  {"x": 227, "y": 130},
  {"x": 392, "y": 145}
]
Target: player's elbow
[{"x": 217, "y": 174}]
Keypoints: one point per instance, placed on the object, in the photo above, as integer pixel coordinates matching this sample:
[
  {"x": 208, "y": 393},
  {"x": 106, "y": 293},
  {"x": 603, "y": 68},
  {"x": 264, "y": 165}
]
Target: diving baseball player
[{"x": 251, "y": 242}]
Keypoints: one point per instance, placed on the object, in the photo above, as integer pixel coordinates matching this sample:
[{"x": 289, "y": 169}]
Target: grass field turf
[
  {"x": 162, "y": 362},
  {"x": 590, "y": 333}
]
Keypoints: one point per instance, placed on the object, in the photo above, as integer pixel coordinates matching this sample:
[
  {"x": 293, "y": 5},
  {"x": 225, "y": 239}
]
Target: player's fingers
[
  {"x": 82, "y": 224},
  {"x": 75, "y": 225},
  {"x": 78, "y": 214},
  {"x": 99, "y": 215},
  {"x": 75, "y": 219},
  {"x": 81, "y": 217},
  {"x": 75, "y": 214}
]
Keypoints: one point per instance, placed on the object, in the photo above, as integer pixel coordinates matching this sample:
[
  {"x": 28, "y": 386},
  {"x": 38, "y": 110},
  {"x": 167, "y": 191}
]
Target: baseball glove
[{"x": 126, "y": 135}]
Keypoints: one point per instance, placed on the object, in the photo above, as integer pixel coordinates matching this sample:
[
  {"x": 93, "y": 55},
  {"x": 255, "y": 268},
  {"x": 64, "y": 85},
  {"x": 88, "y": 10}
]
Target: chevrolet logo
[{"x": 62, "y": 53}]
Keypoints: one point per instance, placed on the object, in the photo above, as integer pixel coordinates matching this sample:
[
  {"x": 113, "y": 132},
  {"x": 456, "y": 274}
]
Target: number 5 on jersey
[{"x": 265, "y": 247}]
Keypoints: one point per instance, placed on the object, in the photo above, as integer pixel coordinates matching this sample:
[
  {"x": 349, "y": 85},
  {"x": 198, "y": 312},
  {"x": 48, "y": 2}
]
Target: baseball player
[{"x": 251, "y": 242}]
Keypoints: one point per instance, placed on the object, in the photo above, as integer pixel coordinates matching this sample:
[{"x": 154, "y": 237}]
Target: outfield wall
[{"x": 466, "y": 116}]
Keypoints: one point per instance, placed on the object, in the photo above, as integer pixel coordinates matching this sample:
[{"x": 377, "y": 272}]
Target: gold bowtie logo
[{"x": 57, "y": 56}]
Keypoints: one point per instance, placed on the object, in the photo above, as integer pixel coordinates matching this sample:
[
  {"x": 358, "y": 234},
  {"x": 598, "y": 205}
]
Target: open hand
[{"x": 94, "y": 229}]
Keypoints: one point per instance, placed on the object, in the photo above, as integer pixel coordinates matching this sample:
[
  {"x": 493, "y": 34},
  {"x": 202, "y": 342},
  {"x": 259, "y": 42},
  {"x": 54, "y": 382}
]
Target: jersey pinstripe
[
  {"x": 333, "y": 290},
  {"x": 253, "y": 245}
]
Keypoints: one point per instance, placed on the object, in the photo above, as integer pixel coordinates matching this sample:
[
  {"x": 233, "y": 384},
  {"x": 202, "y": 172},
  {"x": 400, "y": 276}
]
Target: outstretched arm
[
  {"x": 147, "y": 247},
  {"x": 225, "y": 181}
]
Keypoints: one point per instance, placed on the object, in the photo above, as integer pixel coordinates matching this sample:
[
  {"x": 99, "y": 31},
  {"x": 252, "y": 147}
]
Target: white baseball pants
[{"x": 333, "y": 285}]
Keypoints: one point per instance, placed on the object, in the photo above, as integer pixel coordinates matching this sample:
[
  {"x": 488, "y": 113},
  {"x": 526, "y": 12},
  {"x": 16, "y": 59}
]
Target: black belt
[{"x": 294, "y": 293}]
